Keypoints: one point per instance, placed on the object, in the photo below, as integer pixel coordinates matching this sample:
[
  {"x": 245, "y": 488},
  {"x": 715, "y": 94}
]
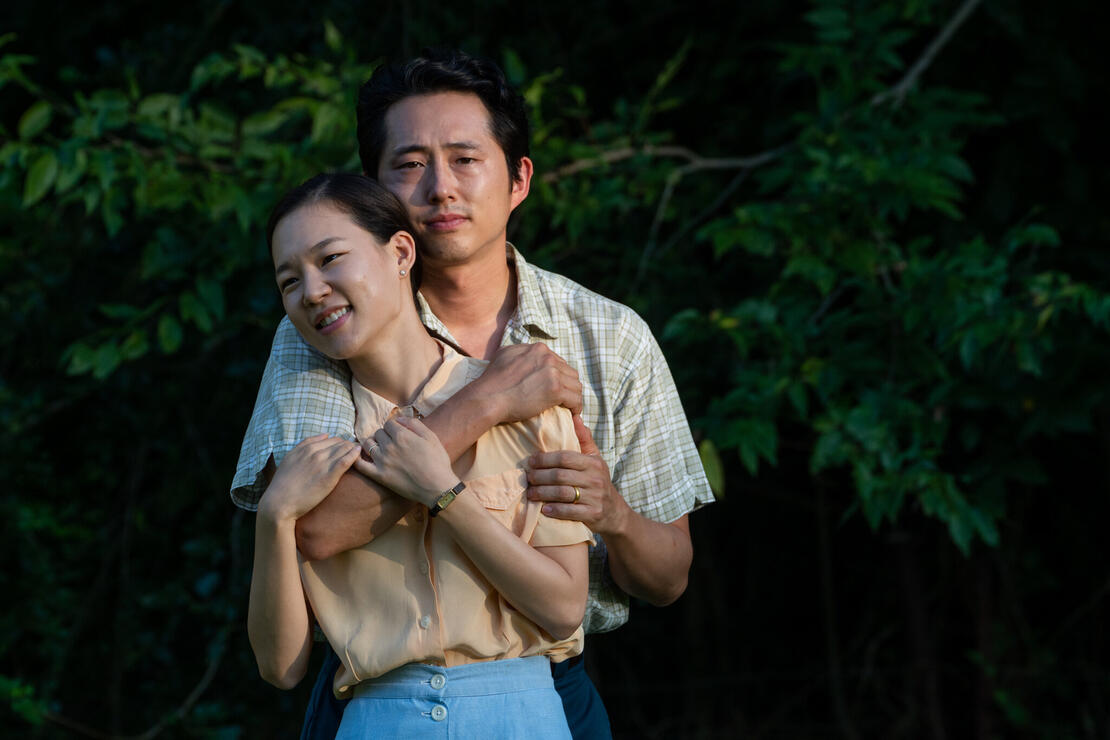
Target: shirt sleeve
[
  {"x": 656, "y": 466},
  {"x": 302, "y": 394}
]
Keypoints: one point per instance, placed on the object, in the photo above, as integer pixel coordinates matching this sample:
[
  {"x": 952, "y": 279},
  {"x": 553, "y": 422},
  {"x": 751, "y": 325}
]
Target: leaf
[
  {"x": 35, "y": 119},
  {"x": 169, "y": 334},
  {"x": 266, "y": 122},
  {"x": 135, "y": 346},
  {"x": 212, "y": 296},
  {"x": 329, "y": 118},
  {"x": 71, "y": 169},
  {"x": 191, "y": 309},
  {"x": 332, "y": 37},
  {"x": 514, "y": 67},
  {"x": 106, "y": 359},
  {"x": 80, "y": 359},
  {"x": 714, "y": 469},
  {"x": 40, "y": 177}
]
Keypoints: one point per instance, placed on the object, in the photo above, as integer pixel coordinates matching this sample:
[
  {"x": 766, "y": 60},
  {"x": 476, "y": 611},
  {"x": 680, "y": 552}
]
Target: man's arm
[
  {"x": 648, "y": 560},
  {"x": 638, "y": 507},
  {"x": 521, "y": 381}
]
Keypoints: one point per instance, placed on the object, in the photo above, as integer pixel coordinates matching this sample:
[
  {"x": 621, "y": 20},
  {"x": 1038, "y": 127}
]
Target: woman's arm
[
  {"x": 520, "y": 382},
  {"x": 278, "y": 622},
  {"x": 548, "y": 584}
]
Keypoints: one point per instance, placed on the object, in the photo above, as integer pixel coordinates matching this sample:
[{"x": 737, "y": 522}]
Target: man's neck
[{"x": 473, "y": 300}]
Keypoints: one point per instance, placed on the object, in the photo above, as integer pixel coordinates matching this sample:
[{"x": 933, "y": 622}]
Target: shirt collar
[
  {"x": 440, "y": 386},
  {"x": 532, "y": 314}
]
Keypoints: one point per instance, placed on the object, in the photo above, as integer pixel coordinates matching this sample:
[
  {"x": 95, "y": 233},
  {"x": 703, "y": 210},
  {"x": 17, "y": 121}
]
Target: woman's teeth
[{"x": 334, "y": 316}]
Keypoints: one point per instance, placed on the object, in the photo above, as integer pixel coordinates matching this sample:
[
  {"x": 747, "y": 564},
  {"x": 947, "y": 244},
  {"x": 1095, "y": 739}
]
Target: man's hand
[
  {"x": 649, "y": 560},
  {"x": 578, "y": 486},
  {"x": 524, "y": 379}
]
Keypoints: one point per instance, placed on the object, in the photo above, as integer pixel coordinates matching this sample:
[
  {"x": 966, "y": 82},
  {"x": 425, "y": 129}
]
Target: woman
[{"x": 449, "y": 618}]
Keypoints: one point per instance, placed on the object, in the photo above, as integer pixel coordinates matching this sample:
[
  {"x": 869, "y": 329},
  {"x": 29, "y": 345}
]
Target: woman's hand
[
  {"x": 407, "y": 458},
  {"x": 307, "y": 475}
]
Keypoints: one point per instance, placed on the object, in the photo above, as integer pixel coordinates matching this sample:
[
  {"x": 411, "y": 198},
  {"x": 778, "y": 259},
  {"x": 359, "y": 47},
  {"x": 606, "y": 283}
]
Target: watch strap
[{"x": 446, "y": 498}]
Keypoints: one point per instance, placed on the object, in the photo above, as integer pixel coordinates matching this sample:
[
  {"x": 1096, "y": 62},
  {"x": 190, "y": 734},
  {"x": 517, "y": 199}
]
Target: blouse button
[
  {"x": 439, "y": 681},
  {"x": 425, "y": 621},
  {"x": 423, "y": 568},
  {"x": 439, "y": 712}
]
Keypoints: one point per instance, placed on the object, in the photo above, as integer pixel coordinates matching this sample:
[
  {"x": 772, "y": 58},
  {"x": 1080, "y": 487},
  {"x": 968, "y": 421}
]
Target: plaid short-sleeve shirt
[{"x": 629, "y": 403}]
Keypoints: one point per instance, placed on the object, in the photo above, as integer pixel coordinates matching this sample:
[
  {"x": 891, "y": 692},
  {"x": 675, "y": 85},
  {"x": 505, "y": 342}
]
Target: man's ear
[{"x": 519, "y": 187}]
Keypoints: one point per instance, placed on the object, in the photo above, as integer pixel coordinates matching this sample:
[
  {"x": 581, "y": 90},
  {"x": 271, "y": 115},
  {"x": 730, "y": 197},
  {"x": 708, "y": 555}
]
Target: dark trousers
[{"x": 586, "y": 714}]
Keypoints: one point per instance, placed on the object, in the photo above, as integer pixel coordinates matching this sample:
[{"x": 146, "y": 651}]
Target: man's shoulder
[{"x": 583, "y": 307}]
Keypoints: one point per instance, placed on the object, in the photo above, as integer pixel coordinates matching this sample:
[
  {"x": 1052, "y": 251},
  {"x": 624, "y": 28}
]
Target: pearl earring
[{"x": 403, "y": 273}]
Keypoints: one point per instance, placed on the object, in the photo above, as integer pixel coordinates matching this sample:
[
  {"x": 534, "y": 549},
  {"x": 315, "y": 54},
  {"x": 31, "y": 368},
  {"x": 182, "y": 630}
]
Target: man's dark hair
[
  {"x": 442, "y": 71},
  {"x": 373, "y": 208}
]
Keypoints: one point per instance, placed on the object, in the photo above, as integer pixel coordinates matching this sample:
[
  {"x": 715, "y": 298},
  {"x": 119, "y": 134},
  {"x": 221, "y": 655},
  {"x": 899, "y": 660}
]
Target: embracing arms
[
  {"x": 649, "y": 560},
  {"x": 520, "y": 382},
  {"x": 546, "y": 584}
]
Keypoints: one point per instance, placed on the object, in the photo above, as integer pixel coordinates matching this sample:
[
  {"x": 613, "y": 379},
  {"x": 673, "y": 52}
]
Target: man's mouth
[
  {"x": 445, "y": 222},
  {"x": 333, "y": 316}
]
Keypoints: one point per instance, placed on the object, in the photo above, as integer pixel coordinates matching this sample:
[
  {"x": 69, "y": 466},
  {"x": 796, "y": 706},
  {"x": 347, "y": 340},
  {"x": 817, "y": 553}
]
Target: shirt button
[
  {"x": 425, "y": 621},
  {"x": 423, "y": 568},
  {"x": 439, "y": 681},
  {"x": 439, "y": 712}
]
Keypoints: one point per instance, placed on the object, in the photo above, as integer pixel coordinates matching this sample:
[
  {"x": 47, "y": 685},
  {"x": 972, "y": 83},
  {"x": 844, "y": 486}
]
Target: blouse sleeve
[{"x": 556, "y": 432}]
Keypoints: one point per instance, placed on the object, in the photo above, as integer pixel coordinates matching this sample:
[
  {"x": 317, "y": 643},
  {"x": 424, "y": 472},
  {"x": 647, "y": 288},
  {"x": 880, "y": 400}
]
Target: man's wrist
[{"x": 618, "y": 521}]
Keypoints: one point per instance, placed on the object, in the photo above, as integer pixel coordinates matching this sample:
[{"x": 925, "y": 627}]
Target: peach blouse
[{"x": 412, "y": 595}]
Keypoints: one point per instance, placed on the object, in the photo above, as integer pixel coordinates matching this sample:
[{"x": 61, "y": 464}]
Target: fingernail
[{"x": 546, "y": 510}]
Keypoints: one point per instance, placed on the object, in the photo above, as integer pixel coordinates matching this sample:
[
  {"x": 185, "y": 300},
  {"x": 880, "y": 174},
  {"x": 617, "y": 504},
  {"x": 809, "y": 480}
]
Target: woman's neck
[{"x": 396, "y": 368}]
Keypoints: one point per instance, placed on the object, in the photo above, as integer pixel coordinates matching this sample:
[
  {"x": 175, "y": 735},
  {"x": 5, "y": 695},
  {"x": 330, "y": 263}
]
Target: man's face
[{"x": 442, "y": 161}]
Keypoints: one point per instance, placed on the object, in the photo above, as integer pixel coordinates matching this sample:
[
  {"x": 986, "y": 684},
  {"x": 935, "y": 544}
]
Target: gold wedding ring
[{"x": 577, "y": 494}]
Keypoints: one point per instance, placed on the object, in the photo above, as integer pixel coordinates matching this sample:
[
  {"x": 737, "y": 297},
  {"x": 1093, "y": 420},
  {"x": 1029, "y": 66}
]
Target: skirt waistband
[{"x": 418, "y": 680}]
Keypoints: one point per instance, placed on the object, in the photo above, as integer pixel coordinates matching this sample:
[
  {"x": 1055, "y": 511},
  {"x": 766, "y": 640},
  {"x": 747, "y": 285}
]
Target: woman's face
[{"x": 341, "y": 288}]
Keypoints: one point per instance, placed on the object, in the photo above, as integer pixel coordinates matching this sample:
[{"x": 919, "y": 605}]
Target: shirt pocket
[{"x": 502, "y": 494}]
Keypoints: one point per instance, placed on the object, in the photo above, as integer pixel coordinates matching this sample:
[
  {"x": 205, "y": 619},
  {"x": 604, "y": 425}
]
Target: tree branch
[
  {"x": 899, "y": 90},
  {"x": 694, "y": 160}
]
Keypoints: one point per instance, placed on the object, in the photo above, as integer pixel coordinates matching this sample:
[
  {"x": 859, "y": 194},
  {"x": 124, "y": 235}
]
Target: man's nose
[{"x": 441, "y": 182}]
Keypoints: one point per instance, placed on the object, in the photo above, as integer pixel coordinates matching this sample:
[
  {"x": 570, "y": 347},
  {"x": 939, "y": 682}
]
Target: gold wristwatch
[{"x": 446, "y": 498}]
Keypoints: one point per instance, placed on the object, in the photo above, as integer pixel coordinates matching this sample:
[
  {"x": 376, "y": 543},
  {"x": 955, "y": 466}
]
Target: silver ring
[{"x": 370, "y": 453}]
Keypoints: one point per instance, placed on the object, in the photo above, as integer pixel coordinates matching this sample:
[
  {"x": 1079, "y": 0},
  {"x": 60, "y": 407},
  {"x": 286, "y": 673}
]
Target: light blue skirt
[{"x": 497, "y": 699}]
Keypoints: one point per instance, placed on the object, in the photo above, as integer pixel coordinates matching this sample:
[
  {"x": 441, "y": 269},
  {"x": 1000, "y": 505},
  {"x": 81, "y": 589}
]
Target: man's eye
[
  {"x": 466, "y": 160},
  {"x": 411, "y": 165}
]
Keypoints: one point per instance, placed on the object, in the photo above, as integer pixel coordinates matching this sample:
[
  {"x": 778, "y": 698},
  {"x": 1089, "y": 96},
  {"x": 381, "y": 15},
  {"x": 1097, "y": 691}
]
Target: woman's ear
[{"x": 403, "y": 247}]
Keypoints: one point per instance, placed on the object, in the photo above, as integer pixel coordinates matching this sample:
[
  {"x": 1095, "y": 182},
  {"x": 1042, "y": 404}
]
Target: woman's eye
[
  {"x": 329, "y": 258},
  {"x": 287, "y": 283}
]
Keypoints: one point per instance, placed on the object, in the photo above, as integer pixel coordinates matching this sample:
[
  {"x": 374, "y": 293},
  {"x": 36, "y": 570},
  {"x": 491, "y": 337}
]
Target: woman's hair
[{"x": 367, "y": 202}]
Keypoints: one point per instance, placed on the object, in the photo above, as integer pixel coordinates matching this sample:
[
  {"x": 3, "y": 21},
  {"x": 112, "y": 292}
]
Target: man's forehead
[{"x": 438, "y": 119}]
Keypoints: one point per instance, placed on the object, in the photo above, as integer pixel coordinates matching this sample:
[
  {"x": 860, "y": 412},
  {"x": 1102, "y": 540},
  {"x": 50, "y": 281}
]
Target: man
[{"x": 449, "y": 137}]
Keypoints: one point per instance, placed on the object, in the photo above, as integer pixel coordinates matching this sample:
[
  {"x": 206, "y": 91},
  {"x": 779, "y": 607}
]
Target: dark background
[{"x": 819, "y": 605}]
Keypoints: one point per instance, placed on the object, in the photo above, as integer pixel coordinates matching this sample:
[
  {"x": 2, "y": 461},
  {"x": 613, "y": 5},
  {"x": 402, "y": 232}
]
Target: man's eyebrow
[
  {"x": 421, "y": 149},
  {"x": 318, "y": 245}
]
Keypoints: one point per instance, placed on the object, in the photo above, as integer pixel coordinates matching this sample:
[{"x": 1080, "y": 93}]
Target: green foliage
[{"x": 836, "y": 313}]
